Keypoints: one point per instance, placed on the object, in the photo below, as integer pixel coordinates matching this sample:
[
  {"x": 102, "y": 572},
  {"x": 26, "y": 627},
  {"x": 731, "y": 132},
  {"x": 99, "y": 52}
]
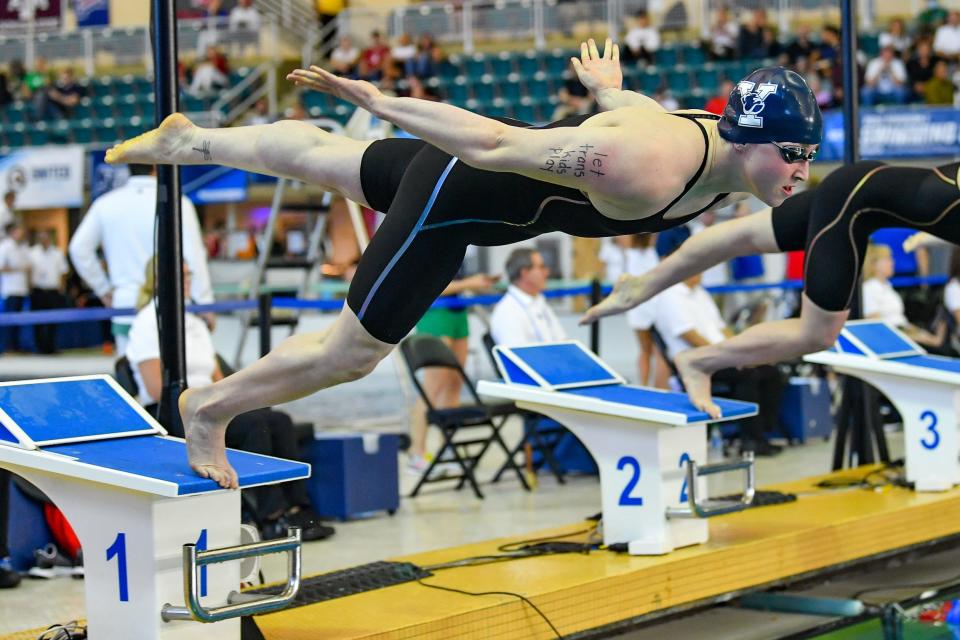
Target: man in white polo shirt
[
  {"x": 687, "y": 317},
  {"x": 122, "y": 223},
  {"x": 48, "y": 266},
  {"x": 14, "y": 279},
  {"x": 523, "y": 316}
]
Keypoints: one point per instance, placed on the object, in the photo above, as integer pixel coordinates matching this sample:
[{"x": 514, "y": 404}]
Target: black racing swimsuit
[
  {"x": 833, "y": 222},
  {"x": 436, "y": 206}
]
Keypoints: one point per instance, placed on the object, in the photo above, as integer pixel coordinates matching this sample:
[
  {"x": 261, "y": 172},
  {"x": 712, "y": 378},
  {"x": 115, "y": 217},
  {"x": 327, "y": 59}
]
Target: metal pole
[
  {"x": 264, "y": 306},
  {"x": 595, "y": 296},
  {"x": 169, "y": 249},
  {"x": 851, "y": 90}
]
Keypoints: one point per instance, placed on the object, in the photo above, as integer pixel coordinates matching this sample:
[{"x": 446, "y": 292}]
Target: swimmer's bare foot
[
  {"x": 629, "y": 292},
  {"x": 697, "y": 382},
  {"x": 172, "y": 142},
  {"x": 206, "y": 446}
]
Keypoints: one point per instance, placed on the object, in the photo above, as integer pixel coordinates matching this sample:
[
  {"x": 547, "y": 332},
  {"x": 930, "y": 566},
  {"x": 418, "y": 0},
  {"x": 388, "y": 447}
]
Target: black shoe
[
  {"x": 9, "y": 578},
  {"x": 306, "y": 518},
  {"x": 763, "y": 448},
  {"x": 51, "y": 563}
]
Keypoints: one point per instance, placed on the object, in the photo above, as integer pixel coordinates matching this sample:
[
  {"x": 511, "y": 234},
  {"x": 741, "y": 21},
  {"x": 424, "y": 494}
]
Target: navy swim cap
[{"x": 772, "y": 105}]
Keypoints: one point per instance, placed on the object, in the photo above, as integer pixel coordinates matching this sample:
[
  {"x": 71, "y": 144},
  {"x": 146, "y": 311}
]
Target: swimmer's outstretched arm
[
  {"x": 602, "y": 76},
  {"x": 600, "y": 160},
  {"x": 716, "y": 244}
]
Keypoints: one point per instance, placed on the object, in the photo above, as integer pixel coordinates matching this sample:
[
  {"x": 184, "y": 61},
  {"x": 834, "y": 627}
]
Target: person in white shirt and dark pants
[
  {"x": 122, "y": 223},
  {"x": 523, "y": 316},
  {"x": 48, "y": 266},
  {"x": 14, "y": 279}
]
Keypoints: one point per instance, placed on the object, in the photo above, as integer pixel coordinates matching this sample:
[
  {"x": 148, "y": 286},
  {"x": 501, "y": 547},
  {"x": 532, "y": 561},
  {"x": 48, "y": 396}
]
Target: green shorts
[{"x": 445, "y": 323}]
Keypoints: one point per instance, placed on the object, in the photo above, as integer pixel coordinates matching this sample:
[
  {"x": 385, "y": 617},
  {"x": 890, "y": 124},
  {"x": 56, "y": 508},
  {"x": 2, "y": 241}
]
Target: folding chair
[
  {"x": 420, "y": 351},
  {"x": 542, "y": 433}
]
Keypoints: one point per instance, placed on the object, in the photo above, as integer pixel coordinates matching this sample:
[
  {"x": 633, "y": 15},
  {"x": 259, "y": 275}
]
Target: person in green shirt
[{"x": 939, "y": 88}]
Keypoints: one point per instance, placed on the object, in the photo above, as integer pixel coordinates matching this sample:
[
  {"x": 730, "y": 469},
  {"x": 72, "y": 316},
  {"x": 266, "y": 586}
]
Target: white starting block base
[
  {"x": 925, "y": 390},
  {"x": 641, "y": 439},
  {"x": 132, "y": 500}
]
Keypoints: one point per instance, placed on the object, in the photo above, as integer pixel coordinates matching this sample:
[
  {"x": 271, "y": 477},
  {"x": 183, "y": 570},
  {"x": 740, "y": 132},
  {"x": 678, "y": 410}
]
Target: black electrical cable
[{"x": 496, "y": 593}]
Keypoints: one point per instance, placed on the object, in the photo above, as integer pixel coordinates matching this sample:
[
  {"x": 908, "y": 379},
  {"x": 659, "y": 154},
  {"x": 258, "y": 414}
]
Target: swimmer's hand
[
  {"x": 480, "y": 282},
  {"x": 629, "y": 292},
  {"x": 358, "y": 92},
  {"x": 919, "y": 240},
  {"x": 598, "y": 72}
]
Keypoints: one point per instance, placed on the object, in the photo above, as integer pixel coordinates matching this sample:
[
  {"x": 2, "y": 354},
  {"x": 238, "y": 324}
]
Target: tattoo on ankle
[{"x": 204, "y": 151}]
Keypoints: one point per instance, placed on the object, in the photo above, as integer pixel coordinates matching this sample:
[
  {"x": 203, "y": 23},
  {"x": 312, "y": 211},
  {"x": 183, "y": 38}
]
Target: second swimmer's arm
[{"x": 716, "y": 244}]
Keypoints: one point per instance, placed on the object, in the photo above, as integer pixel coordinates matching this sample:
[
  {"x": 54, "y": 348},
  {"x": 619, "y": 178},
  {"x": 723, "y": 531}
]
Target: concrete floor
[{"x": 440, "y": 517}]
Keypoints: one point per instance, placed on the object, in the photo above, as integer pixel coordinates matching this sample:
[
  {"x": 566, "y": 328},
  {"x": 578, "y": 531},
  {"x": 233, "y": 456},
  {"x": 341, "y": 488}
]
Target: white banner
[{"x": 44, "y": 177}]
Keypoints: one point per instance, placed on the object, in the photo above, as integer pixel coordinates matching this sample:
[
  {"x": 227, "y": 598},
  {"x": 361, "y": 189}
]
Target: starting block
[
  {"x": 925, "y": 390},
  {"x": 650, "y": 445},
  {"x": 146, "y": 522}
]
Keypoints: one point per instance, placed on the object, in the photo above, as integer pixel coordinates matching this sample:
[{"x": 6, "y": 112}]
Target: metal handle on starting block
[
  {"x": 710, "y": 508},
  {"x": 239, "y": 605}
]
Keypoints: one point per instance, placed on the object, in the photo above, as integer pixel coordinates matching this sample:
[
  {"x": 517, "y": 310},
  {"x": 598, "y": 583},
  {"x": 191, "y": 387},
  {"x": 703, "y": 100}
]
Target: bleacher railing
[
  {"x": 468, "y": 22},
  {"x": 131, "y": 46}
]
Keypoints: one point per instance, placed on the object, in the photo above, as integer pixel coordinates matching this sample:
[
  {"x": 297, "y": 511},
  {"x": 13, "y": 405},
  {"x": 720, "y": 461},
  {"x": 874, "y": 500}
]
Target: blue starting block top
[
  {"x": 876, "y": 339},
  {"x": 89, "y": 428},
  {"x": 567, "y": 374},
  {"x": 555, "y": 365}
]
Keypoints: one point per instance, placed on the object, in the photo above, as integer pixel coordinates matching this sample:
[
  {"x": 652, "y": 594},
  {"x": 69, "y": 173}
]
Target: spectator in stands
[
  {"x": 822, "y": 88},
  {"x": 931, "y": 18},
  {"x": 687, "y": 317},
  {"x": 718, "y": 102},
  {"x": 260, "y": 114},
  {"x": 15, "y": 81},
  {"x": 244, "y": 17},
  {"x": 120, "y": 222},
  {"x": 343, "y": 59},
  {"x": 262, "y": 431},
  {"x": 723, "y": 36},
  {"x": 573, "y": 99},
  {"x": 665, "y": 98},
  {"x": 772, "y": 47},
  {"x": 402, "y": 55},
  {"x": 750, "y": 43},
  {"x": 801, "y": 47},
  {"x": 880, "y": 299},
  {"x": 36, "y": 85},
  {"x": 375, "y": 59},
  {"x": 642, "y": 40},
  {"x": 896, "y": 36},
  {"x": 14, "y": 279},
  {"x": 65, "y": 94},
  {"x": 7, "y": 210},
  {"x": 209, "y": 76},
  {"x": 523, "y": 316},
  {"x": 6, "y": 97},
  {"x": 428, "y": 58},
  {"x": 828, "y": 53},
  {"x": 920, "y": 67},
  {"x": 48, "y": 270},
  {"x": 885, "y": 79},
  {"x": 939, "y": 89},
  {"x": 946, "y": 42}
]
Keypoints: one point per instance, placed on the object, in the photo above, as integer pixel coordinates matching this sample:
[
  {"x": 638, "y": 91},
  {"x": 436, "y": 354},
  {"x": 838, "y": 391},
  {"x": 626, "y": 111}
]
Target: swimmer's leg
[
  {"x": 299, "y": 365},
  {"x": 286, "y": 149},
  {"x": 816, "y": 329}
]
